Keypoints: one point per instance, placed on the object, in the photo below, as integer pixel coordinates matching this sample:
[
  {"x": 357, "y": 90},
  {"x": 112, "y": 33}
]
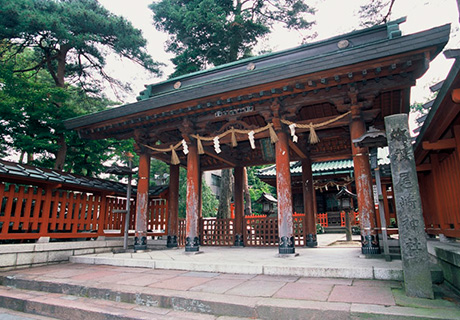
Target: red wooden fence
[
  {"x": 29, "y": 212},
  {"x": 439, "y": 190},
  {"x": 261, "y": 231},
  {"x": 322, "y": 219}
]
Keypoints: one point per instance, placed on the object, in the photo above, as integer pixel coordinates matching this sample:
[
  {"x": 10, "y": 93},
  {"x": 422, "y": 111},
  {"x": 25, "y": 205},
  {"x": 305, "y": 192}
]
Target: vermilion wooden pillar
[
  {"x": 142, "y": 202},
  {"x": 283, "y": 186},
  {"x": 239, "y": 206},
  {"x": 363, "y": 181},
  {"x": 309, "y": 226},
  {"x": 192, "y": 242},
  {"x": 173, "y": 207}
]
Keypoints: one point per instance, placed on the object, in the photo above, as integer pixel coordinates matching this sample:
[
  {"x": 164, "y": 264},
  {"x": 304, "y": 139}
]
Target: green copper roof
[{"x": 325, "y": 167}]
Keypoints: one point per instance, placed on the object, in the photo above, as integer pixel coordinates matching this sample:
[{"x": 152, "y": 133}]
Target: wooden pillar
[
  {"x": 173, "y": 207},
  {"x": 142, "y": 202},
  {"x": 192, "y": 242},
  {"x": 239, "y": 206},
  {"x": 283, "y": 188},
  {"x": 309, "y": 225},
  {"x": 363, "y": 181}
]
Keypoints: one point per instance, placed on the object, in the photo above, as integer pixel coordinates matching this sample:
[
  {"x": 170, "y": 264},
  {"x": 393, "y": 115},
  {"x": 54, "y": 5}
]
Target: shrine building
[{"x": 304, "y": 104}]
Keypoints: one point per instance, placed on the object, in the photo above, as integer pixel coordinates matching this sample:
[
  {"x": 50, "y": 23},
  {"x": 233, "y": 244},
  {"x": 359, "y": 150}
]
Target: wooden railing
[
  {"x": 217, "y": 232},
  {"x": 30, "y": 212},
  {"x": 322, "y": 219}
]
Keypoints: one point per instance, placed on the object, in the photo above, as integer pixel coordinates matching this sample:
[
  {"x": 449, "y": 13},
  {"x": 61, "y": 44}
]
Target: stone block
[
  {"x": 14, "y": 248},
  {"x": 61, "y": 255},
  {"x": 31, "y": 258},
  {"x": 318, "y": 272},
  {"x": 8, "y": 260},
  {"x": 102, "y": 250},
  {"x": 388, "y": 274},
  {"x": 78, "y": 252},
  {"x": 82, "y": 259},
  {"x": 451, "y": 256},
  {"x": 296, "y": 309},
  {"x": 139, "y": 263}
]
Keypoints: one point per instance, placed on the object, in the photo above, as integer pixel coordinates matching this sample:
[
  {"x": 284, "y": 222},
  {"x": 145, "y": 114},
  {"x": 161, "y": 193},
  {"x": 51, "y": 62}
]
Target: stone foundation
[{"x": 13, "y": 256}]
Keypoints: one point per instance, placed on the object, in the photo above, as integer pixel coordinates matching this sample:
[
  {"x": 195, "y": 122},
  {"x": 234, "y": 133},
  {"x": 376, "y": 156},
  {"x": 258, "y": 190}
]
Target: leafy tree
[
  {"x": 70, "y": 39},
  {"x": 30, "y": 119},
  {"x": 213, "y": 32},
  {"x": 258, "y": 187},
  {"x": 375, "y": 12}
]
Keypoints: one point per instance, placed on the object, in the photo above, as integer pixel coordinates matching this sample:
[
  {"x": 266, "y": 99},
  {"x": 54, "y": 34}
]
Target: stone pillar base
[
  {"x": 238, "y": 241},
  {"x": 311, "y": 241},
  {"x": 140, "y": 243},
  {"x": 370, "y": 245},
  {"x": 171, "y": 242},
  {"x": 286, "y": 245},
  {"x": 192, "y": 246}
]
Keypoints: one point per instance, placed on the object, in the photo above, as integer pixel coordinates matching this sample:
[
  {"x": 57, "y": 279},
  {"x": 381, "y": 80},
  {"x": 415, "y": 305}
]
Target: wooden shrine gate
[{"x": 305, "y": 104}]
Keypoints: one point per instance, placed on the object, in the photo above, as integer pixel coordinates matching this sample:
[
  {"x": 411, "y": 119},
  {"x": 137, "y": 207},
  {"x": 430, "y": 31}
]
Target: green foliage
[
  {"x": 257, "y": 188},
  {"x": 31, "y": 109},
  {"x": 319, "y": 228},
  {"x": 71, "y": 38},
  {"x": 213, "y": 32},
  {"x": 46, "y": 48}
]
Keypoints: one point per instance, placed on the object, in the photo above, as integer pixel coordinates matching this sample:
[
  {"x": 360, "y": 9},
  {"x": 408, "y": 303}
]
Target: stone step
[
  {"x": 70, "y": 307},
  {"x": 67, "y": 300}
]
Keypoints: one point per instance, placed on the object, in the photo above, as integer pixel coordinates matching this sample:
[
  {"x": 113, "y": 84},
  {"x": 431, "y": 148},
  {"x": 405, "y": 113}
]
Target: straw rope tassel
[
  {"x": 234, "y": 142},
  {"x": 174, "y": 157},
  {"x": 199, "y": 145},
  {"x": 313, "y": 136},
  {"x": 273, "y": 136}
]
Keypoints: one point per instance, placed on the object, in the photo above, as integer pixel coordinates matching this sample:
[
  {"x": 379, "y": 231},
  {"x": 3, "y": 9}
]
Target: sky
[{"x": 333, "y": 17}]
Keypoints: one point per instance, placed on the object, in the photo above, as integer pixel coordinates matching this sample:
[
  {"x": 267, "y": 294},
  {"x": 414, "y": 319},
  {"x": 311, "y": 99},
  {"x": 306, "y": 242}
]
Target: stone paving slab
[
  {"x": 233, "y": 295},
  {"x": 362, "y": 294},
  {"x": 317, "y": 262},
  {"x": 304, "y": 291}
]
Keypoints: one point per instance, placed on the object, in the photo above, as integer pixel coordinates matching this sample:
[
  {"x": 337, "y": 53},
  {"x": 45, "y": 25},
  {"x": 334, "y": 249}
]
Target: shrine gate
[{"x": 307, "y": 103}]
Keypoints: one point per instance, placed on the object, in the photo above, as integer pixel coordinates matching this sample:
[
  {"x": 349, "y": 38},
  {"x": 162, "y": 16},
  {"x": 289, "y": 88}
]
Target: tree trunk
[
  {"x": 226, "y": 188},
  {"x": 247, "y": 196},
  {"x": 61, "y": 154}
]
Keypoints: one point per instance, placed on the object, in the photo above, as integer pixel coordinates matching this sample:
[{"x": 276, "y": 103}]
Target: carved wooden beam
[{"x": 212, "y": 154}]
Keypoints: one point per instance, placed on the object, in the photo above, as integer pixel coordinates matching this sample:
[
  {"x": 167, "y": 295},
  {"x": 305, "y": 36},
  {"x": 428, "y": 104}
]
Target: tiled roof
[
  {"x": 22, "y": 173},
  {"x": 326, "y": 167}
]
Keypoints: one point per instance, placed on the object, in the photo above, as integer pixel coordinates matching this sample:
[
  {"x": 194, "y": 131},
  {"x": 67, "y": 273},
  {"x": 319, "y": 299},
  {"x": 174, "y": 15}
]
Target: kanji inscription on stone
[{"x": 412, "y": 238}]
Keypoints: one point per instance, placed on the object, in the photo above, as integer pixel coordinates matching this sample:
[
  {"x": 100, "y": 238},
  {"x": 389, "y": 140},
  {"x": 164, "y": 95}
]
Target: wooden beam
[
  {"x": 424, "y": 167},
  {"x": 440, "y": 144},
  {"x": 212, "y": 154},
  {"x": 297, "y": 150}
]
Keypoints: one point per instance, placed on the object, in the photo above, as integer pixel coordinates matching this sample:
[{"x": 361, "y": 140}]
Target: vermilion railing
[
  {"x": 30, "y": 212},
  {"x": 322, "y": 219}
]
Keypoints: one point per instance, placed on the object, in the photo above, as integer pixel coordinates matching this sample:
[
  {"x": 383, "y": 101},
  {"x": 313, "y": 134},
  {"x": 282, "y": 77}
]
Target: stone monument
[{"x": 412, "y": 238}]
